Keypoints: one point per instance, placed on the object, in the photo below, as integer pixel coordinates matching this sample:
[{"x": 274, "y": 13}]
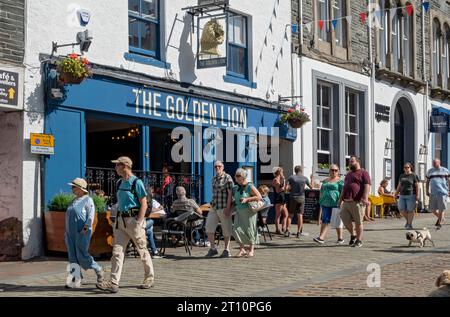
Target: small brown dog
[{"x": 443, "y": 284}]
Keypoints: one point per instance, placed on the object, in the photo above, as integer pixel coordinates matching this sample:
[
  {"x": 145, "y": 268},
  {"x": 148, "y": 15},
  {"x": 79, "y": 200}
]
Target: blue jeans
[
  {"x": 149, "y": 233},
  {"x": 407, "y": 203}
]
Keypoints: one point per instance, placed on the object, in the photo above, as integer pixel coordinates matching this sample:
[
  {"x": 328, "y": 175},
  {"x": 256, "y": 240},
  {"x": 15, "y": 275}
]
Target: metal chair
[
  {"x": 175, "y": 227},
  {"x": 260, "y": 223}
]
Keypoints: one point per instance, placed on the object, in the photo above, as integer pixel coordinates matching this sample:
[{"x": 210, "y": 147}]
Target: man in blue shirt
[
  {"x": 130, "y": 224},
  {"x": 438, "y": 179}
]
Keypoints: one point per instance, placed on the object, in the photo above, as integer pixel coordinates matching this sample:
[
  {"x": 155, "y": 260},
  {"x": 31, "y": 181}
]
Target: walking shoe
[
  {"x": 357, "y": 244},
  {"x": 409, "y": 227},
  {"x": 340, "y": 241},
  {"x": 108, "y": 286},
  {"x": 318, "y": 240},
  {"x": 207, "y": 244},
  {"x": 287, "y": 234},
  {"x": 147, "y": 283},
  {"x": 211, "y": 253},
  {"x": 156, "y": 255},
  {"x": 100, "y": 276},
  {"x": 438, "y": 226},
  {"x": 352, "y": 240},
  {"x": 225, "y": 254}
]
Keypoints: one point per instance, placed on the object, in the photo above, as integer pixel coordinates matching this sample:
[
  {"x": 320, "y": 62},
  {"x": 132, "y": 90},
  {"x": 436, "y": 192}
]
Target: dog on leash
[{"x": 419, "y": 236}]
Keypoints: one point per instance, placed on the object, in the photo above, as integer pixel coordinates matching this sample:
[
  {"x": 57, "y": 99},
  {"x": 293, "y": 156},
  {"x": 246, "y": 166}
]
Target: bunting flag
[
  {"x": 334, "y": 23},
  {"x": 363, "y": 16},
  {"x": 271, "y": 27},
  {"x": 308, "y": 26},
  {"x": 426, "y": 6},
  {"x": 274, "y": 12},
  {"x": 295, "y": 28},
  {"x": 409, "y": 9},
  {"x": 377, "y": 18},
  {"x": 321, "y": 24},
  {"x": 349, "y": 19}
]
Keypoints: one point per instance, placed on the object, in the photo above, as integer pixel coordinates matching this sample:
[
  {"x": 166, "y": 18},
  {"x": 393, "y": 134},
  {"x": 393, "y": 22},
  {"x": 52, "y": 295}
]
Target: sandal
[
  {"x": 250, "y": 255},
  {"x": 241, "y": 254}
]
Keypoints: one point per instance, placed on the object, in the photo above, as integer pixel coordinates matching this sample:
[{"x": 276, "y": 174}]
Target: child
[{"x": 264, "y": 191}]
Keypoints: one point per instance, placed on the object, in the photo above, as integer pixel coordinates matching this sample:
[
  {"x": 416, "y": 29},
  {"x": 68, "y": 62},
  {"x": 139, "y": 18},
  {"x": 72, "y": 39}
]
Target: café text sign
[{"x": 9, "y": 86}]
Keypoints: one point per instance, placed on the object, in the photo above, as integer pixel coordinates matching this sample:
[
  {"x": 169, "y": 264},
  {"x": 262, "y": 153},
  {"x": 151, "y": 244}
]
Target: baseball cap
[{"x": 124, "y": 160}]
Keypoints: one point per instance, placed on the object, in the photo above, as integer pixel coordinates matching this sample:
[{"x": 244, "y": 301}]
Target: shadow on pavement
[{"x": 414, "y": 250}]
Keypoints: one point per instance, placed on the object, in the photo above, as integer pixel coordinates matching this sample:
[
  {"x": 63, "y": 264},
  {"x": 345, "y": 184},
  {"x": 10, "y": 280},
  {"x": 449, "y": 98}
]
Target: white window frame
[
  {"x": 320, "y": 128},
  {"x": 347, "y": 116}
]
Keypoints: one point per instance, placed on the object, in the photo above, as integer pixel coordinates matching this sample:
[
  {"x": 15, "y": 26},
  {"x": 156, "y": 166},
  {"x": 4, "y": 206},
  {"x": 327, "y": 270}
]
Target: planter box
[{"x": 101, "y": 241}]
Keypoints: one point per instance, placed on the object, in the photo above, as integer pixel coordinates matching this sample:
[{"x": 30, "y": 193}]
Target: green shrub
[
  {"x": 61, "y": 201},
  {"x": 100, "y": 203}
]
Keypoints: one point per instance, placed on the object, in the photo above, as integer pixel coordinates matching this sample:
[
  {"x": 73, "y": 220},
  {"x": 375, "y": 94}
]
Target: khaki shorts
[
  {"x": 296, "y": 205},
  {"x": 352, "y": 211},
  {"x": 214, "y": 217},
  {"x": 438, "y": 202}
]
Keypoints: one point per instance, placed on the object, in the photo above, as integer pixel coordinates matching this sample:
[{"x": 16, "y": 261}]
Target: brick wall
[{"x": 12, "y": 31}]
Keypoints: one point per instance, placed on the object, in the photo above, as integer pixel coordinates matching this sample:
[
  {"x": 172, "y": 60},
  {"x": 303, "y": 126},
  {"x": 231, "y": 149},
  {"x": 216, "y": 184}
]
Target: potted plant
[
  {"x": 55, "y": 221},
  {"x": 55, "y": 225},
  {"x": 295, "y": 117},
  {"x": 73, "y": 69}
]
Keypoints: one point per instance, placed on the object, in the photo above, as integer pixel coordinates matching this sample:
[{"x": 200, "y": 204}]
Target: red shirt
[{"x": 354, "y": 184}]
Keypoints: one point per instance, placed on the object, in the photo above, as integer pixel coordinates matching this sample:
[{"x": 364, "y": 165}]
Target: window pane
[
  {"x": 326, "y": 118},
  {"x": 325, "y": 96},
  {"x": 133, "y": 5},
  {"x": 148, "y": 36},
  {"x": 341, "y": 26},
  {"x": 133, "y": 29},
  {"x": 239, "y": 31},
  {"x": 352, "y": 125},
  {"x": 323, "y": 158},
  {"x": 325, "y": 140},
  {"x": 324, "y": 15},
  {"x": 150, "y": 9},
  {"x": 319, "y": 119},
  {"x": 237, "y": 57},
  {"x": 351, "y": 145}
]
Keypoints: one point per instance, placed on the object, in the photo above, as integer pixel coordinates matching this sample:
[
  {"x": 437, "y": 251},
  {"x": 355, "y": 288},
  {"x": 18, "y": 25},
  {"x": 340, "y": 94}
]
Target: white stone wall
[
  {"x": 56, "y": 20},
  {"x": 384, "y": 94}
]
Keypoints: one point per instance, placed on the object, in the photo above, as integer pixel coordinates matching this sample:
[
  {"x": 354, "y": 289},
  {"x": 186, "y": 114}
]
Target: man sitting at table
[
  {"x": 182, "y": 205},
  {"x": 155, "y": 207}
]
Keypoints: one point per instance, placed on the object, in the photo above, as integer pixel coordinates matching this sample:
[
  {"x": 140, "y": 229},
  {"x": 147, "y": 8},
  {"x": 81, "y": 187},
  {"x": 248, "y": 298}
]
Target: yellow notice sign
[{"x": 42, "y": 143}]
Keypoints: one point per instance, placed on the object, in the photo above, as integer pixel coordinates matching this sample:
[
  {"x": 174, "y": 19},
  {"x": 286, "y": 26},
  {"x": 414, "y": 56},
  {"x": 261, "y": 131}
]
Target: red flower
[
  {"x": 85, "y": 61},
  {"x": 73, "y": 56},
  {"x": 290, "y": 110}
]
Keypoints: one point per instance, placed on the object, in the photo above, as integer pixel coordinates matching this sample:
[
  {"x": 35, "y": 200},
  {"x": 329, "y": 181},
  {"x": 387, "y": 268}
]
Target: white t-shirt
[{"x": 155, "y": 204}]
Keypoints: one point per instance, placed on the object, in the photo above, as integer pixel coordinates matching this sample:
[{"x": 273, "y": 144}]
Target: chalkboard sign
[{"x": 312, "y": 207}]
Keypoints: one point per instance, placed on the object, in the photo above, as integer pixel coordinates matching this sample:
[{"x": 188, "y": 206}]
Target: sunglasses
[
  {"x": 238, "y": 176},
  {"x": 334, "y": 170},
  {"x": 218, "y": 166}
]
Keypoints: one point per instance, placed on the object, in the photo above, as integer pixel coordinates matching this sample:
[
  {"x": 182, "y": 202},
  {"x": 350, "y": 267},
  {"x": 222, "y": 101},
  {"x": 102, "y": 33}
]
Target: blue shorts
[
  {"x": 326, "y": 214},
  {"x": 407, "y": 202}
]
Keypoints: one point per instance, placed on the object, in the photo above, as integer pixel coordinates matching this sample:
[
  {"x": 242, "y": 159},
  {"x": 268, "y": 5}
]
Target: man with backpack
[{"x": 129, "y": 224}]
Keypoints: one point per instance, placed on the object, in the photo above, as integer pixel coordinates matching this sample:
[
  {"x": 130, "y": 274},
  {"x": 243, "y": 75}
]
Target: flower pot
[
  {"x": 55, "y": 227},
  {"x": 296, "y": 123},
  {"x": 68, "y": 78}
]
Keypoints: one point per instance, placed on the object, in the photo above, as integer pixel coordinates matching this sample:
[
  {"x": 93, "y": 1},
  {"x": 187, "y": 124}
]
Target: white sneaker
[{"x": 208, "y": 244}]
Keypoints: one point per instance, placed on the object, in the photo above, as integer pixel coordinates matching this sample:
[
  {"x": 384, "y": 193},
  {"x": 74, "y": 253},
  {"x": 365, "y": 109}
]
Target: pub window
[
  {"x": 408, "y": 42},
  {"x": 395, "y": 34},
  {"x": 324, "y": 123},
  {"x": 383, "y": 32},
  {"x": 237, "y": 46},
  {"x": 447, "y": 57},
  {"x": 437, "y": 34},
  {"x": 324, "y": 15},
  {"x": 351, "y": 125},
  {"x": 143, "y": 27},
  {"x": 339, "y": 11}
]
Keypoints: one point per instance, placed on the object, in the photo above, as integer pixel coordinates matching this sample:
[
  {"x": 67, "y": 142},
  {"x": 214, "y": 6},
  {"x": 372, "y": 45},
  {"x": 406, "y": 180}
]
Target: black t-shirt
[{"x": 408, "y": 184}]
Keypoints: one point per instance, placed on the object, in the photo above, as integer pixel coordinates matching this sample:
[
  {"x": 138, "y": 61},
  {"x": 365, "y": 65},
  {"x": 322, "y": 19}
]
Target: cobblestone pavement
[{"x": 282, "y": 267}]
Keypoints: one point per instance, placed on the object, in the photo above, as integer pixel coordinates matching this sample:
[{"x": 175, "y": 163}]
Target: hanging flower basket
[
  {"x": 73, "y": 69},
  {"x": 295, "y": 118}
]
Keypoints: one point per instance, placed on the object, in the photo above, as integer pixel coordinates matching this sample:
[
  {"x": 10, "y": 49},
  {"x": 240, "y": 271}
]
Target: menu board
[{"x": 312, "y": 207}]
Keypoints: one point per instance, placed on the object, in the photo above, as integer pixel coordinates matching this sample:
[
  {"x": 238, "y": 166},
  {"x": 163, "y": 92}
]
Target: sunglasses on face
[
  {"x": 218, "y": 166},
  {"x": 238, "y": 176},
  {"x": 334, "y": 170}
]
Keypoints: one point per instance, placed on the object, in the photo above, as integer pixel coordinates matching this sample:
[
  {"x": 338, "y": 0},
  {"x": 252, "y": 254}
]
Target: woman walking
[
  {"x": 330, "y": 191},
  {"x": 245, "y": 231},
  {"x": 79, "y": 220},
  {"x": 278, "y": 184},
  {"x": 408, "y": 189}
]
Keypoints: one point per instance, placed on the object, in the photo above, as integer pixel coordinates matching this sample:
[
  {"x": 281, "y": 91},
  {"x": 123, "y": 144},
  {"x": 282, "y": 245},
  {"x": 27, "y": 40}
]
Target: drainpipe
[
  {"x": 302, "y": 129},
  {"x": 372, "y": 103},
  {"x": 425, "y": 97}
]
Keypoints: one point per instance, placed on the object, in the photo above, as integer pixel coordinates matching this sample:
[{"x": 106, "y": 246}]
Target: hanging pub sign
[
  {"x": 439, "y": 124},
  {"x": 211, "y": 42},
  {"x": 382, "y": 113}
]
